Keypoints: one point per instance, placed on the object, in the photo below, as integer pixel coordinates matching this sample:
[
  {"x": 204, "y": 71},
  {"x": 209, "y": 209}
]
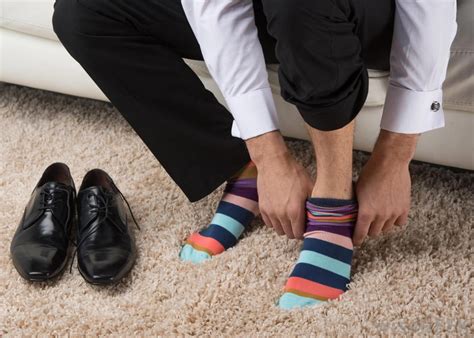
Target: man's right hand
[{"x": 283, "y": 184}]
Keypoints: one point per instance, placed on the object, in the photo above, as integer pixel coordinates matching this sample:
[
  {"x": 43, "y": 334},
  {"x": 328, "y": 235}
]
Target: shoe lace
[
  {"x": 101, "y": 209},
  {"x": 48, "y": 202}
]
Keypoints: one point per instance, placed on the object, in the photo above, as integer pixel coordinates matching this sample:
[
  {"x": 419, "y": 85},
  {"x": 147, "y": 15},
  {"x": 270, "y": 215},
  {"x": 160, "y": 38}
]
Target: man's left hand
[{"x": 384, "y": 186}]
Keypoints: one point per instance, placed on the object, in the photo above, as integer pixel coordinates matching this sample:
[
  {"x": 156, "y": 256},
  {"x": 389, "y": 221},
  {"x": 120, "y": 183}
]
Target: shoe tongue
[
  {"x": 94, "y": 191},
  {"x": 48, "y": 186}
]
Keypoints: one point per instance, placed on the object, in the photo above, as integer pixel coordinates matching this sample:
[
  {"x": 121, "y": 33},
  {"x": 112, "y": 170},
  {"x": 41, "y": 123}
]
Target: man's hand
[
  {"x": 283, "y": 185},
  {"x": 384, "y": 186}
]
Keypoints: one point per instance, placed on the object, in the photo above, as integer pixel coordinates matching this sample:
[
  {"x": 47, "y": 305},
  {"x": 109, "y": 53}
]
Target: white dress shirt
[{"x": 423, "y": 33}]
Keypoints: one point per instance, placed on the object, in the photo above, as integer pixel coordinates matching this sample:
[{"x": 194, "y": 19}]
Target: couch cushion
[
  {"x": 459, "y": 84},
  {"x": 33, "y": 17}
]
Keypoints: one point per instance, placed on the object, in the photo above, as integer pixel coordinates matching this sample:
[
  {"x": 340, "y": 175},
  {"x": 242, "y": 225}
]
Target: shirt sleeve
[
  {"x": 423, "y": 33},
  {"x": 228, "y": 37}
]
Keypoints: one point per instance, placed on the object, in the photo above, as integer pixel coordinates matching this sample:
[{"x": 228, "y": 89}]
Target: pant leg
[
  {"x": 322, "y": 48},
  {"x": 375, "y": 31},
  {"x": 132, "y": 50}
]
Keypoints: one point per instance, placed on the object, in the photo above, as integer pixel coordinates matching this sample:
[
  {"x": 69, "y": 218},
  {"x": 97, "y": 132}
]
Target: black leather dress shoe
[
  {"x": 39, "y": 248},
  {"x": 106, "y": 248}
]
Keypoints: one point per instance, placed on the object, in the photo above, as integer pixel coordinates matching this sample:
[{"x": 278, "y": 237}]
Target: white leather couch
[{"x": 31, "y": 55}]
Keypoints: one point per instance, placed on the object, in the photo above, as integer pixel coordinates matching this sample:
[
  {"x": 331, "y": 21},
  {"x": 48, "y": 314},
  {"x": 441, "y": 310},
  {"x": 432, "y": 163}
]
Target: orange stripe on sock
[
  {"x": 208, "y": 244},
  {"x": 243, "y": 202},
  {"x": 331, "y": 219},
  {"x": 340, "y": 240},
  {"x": 305, "y": 294},
  {"x": 200, "y": 248},
  {"x": 312, "y": 288}
]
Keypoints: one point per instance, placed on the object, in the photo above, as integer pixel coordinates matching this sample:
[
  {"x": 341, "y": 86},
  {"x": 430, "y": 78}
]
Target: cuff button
[{"x": 435, "y": 106}]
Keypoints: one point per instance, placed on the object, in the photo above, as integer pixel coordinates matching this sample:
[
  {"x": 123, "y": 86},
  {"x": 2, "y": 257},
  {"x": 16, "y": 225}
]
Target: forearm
[
  {"x": 394, "y": 147},
  {"x": 267, "y": 148}
]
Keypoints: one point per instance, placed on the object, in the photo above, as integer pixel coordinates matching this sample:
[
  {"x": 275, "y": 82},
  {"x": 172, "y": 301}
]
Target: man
[{"x": 134, "y": 50}]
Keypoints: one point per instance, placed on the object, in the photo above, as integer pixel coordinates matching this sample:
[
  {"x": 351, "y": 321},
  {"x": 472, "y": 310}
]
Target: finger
[
  {"x": 298, "y": 223},
  {"x": 277, "y": 226},
  {"x": 388, "y": 226},
  {"x": 402, "y": 220},
  {"x": 362, "y": 228},
  {"x": 376, "y": 227},
  {"x": 309, "y": 188},
  {"x": 266, "y": 220},
  {"x": 286, "y": 225}
]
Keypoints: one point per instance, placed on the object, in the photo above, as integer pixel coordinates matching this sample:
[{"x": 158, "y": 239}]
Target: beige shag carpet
[{"x": 416, "y": 281}]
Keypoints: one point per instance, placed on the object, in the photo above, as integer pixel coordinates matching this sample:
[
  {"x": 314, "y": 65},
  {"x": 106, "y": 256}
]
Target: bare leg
[
  {"x": 333, "y": 151},
  {"x": 322, "y": 271}
]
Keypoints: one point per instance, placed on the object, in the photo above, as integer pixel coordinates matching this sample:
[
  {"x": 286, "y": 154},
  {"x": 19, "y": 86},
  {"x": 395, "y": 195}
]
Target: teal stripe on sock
[
  {"x": 325, "y": 262},
  {"x": 188, "y": 253},
  {"x": 228, "y": 223},
  {"x": 290, "y": 300}
]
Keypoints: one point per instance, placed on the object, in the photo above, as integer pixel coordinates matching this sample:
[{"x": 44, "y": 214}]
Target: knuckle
[
  {"x": 299, "y": 234},
  {"x": 293, "y": 213},
  {"x": 291, "y": 207},
  {"x": 364, "y": 216},
  {"x": 362, "y": 227},
  {"x": 374, "y": 232},
  {"x": 399, "y": 211},
  {"x": 384, "y": 214}
]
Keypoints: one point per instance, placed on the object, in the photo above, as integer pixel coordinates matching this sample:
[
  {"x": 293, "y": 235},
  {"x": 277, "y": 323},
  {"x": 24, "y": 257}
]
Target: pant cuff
[{"x": 339, "y": 114}]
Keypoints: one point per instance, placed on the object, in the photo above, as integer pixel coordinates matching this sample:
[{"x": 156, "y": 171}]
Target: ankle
[{"x": 327, "y": 189}]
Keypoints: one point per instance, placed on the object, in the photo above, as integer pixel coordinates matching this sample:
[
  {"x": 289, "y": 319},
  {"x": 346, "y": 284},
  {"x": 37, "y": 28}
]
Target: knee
[
  {"x": 296, "y": 21},
  {"x": 282, "y": 18},
  {"x": 67, "y": 21},
  {"x": 61, "y": 18}
]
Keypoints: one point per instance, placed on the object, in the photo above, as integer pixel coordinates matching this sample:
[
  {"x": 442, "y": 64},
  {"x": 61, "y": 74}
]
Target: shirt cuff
[
  {"x": 412, "y": 112},
  {"x": 254, "y": 113}
]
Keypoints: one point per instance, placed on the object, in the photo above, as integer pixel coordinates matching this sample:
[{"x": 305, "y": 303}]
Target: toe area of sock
[
  {"x": 290, "y": 301},
  {"x": 189, "y": 254}
]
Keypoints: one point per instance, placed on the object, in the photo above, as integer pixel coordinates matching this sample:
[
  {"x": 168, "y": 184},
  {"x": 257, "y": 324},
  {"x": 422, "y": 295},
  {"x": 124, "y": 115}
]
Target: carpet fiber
[{"x": 413, "y": 281}]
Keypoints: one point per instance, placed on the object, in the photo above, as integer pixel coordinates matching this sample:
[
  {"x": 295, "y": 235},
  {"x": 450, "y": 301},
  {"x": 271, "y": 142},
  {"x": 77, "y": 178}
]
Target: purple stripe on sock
[
  {"x": 245, "y": 187},
  {"x": 338, "y": 219},
  {"x": 343, "y": 210},
  {"x": 245, "y": 182},
  {"x": 250, "y": 193}
]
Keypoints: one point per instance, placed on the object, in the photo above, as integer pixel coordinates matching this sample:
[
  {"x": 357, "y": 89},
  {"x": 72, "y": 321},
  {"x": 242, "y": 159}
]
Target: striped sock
[
  {"x": 237, "y": 208},
  {"x": 323, "y": 269}
]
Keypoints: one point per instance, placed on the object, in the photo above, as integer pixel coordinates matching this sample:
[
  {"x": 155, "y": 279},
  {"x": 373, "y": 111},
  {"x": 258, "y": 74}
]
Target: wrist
[
  {"x": 395, "y": 148},
  {"x": 267, "y": 146}
]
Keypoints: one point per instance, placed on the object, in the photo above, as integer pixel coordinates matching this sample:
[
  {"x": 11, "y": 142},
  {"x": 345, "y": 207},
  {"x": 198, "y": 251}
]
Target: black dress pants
[{"x": 133, "y": 51}]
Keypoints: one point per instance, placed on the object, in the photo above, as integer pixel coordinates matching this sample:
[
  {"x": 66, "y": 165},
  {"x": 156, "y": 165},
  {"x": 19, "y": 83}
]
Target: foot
[
  {"x": 323, "y": 269},
  {"x": 237, "y": 208}
]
